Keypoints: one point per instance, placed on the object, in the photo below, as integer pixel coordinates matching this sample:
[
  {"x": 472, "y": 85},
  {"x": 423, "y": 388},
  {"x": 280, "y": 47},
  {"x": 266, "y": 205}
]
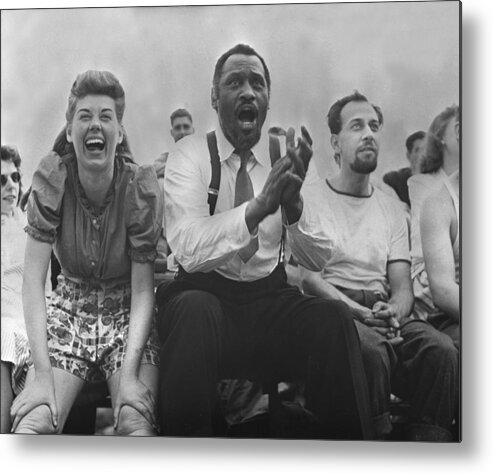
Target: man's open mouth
[
  {"x": 94, "y": 144},
  {"x": 247, "y": 117}
]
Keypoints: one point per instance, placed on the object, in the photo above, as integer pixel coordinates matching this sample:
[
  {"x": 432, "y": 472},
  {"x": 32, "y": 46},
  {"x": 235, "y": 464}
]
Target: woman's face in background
[{"x": 10, "y": 190}]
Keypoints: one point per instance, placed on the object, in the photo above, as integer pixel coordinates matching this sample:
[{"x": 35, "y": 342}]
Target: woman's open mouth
[{"x": 94, "y": 144}]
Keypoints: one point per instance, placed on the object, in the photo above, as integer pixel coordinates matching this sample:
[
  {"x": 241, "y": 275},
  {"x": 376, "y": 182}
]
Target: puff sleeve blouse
[{"x": 97, "y": 247}]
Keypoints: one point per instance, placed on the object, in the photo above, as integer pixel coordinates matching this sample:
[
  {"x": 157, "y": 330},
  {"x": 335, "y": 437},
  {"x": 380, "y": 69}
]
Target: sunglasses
[{"x": 15, "y": 177}]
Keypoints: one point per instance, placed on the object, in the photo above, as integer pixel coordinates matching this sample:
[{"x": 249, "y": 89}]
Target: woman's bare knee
[
  {"x": 37, "y": 421},
  {"x": 132, "y": 423}
]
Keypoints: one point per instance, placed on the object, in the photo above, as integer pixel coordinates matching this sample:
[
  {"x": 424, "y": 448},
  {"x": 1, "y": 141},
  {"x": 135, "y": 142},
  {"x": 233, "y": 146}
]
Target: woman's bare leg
[{"x": 131, "y": 422}]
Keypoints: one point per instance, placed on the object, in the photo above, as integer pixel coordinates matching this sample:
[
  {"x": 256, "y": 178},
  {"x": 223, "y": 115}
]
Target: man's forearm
[
  {"x": 403, "y": 303},
  {"x": 326, "y": 290}
]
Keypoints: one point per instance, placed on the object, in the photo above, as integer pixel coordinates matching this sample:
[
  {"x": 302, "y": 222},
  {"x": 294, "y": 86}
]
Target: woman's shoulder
[
  {"x": 51, "y": 173},
  {"x": 439, "y": 205},
  {"x": 426, "y": 179},
  {"x": 142, "y": 179},
  {"x": 52, "y": 164}
]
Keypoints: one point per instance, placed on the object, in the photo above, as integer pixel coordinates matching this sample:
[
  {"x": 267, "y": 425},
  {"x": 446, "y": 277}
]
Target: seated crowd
[{"x": 186, "y": 285}]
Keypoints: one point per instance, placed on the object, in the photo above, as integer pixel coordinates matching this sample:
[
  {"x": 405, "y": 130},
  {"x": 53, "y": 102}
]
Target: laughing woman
[{"x": 102, "y": 214}]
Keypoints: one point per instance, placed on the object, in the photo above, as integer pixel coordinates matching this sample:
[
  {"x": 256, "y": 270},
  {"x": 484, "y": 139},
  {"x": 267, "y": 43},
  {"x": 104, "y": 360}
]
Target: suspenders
[
  {"x": 215, "y": 172},
  {"x": 213, "y": 191}
]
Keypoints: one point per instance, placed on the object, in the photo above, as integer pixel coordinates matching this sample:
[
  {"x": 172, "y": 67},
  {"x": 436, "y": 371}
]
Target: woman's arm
[
  {"x": 437, "y": 216},
  {"x": 131, "y": 390},
  {"x": 41, "y": 391},
  {"x": 37, "y": 260}
]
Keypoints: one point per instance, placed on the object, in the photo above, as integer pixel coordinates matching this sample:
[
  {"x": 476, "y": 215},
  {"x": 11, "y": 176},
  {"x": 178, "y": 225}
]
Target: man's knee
[
  {"x": 336, "y": 313},
  {"x": 133, "y": 423},
  {"x": 195, "y": 301},
  {"x": 442, "y": 352},
  {"x": 39, "y": 421},
  {"x": 189, "y": 309},
  {"x": 375, "y": 349}
]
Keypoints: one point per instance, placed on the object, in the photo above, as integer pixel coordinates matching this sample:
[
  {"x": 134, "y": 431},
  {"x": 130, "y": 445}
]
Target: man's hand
[
  {"x": 269, "y": 199},
  {"x": 385, "y": 321},
  {"x": 299, "y": 156},
  {"x": 361, "y": 313}
]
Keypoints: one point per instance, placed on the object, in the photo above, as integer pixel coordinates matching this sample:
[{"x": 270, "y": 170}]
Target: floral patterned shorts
[{"x": 88, "y": 330}]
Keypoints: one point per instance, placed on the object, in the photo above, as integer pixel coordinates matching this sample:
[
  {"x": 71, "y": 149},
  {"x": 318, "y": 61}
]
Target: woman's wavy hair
[
  {"x": 10, "y": 153},
  {"x": 98, "y": 83},
  {"x": 432, "y": 159}
]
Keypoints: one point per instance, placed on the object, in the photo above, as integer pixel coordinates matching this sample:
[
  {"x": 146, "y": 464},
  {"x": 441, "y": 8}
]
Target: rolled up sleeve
[
  {"x": 45, "y": 200},
  {"x": 144, "y": 214}
]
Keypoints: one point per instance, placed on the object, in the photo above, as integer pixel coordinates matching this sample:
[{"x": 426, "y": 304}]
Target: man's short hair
[
  {"x": 419, "y": 135},
  {"x": 238, "y": 49},
  {"x": 180, "y": 113},
  {"x": 334, "y": 115}
]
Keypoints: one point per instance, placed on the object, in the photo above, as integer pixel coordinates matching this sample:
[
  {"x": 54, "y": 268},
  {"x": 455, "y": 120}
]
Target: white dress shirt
[{"x": 203, "y": 243}]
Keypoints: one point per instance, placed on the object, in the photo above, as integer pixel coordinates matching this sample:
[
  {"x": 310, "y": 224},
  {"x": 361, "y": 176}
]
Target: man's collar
[{"x": 260, "y": 150}]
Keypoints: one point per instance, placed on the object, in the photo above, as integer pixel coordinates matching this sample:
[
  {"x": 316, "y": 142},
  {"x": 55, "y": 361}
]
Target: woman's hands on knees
[
  {"x": 41, "y": 391},
  {"x": 135, "y": 393}
]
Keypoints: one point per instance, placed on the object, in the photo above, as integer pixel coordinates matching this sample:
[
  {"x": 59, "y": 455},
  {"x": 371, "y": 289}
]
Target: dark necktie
[{"x": 243, "y": 193}]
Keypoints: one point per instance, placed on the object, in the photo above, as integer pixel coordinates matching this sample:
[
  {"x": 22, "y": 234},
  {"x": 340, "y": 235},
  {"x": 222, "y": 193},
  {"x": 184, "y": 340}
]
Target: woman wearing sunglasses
[
  {"x": 15, "y": 348},
  {"x": 102, "y": 215}
]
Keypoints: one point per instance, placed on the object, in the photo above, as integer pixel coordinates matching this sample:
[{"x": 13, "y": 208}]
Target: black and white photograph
[{"x": 233, "y": 222}]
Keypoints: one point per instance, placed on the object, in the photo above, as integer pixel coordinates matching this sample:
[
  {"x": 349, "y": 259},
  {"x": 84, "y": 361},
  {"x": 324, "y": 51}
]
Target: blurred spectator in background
[
  {"x": 15, "y": 346},
  {"x": 397, "y": 180},
  {"x": 440, "y": 160},
  {"x": 437, "y": 287},
  {"x": 181, "y": 126}
]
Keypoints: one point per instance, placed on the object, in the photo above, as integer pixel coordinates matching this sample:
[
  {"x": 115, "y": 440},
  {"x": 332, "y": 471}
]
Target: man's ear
[
  {"x": 334, "y": 141},
  {"x": 68, "y": 132},
  {"x": 213, "y": 98}
]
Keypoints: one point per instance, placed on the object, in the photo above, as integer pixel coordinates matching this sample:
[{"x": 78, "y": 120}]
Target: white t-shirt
[{"x": 369, "y": 233}]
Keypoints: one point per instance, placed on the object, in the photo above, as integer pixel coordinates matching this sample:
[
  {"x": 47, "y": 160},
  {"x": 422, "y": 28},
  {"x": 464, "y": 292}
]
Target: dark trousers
[
  {"x": 423, "y": 369},
  {"x": 213, "y": 328},
  {"x": 380, "y": 362},
  {"x": 429, "y": 363}
]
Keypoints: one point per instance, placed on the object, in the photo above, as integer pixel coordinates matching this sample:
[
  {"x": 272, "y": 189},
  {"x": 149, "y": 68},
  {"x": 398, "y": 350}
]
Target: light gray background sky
[{"x": 403, "y": 56}]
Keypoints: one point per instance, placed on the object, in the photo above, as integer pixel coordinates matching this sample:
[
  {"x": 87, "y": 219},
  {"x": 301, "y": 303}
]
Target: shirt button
[
  {"x": 94, "y": 221},
  {"x": 92, "y": 264}
]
